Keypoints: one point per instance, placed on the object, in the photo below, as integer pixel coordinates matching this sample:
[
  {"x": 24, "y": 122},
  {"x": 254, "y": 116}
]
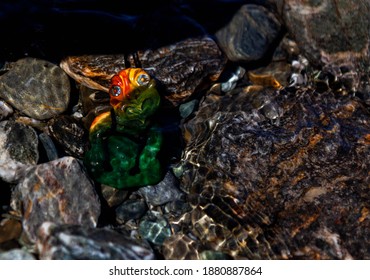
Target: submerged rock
[
  {"x": 329, "y": 30},
  {"x": 334, "y": 36},
  {"x": 154, "y": 228},
  {"x": 181, "y": 247},
  {"x": 58, "y": 191},
  {"x": 74, "y": 242},
  {"x": 293, "y": 186},
  {"x": 37, "y": 88}
]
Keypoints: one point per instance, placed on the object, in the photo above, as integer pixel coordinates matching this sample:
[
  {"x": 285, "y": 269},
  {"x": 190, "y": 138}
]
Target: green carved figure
[{"x": 124, "y": 142}]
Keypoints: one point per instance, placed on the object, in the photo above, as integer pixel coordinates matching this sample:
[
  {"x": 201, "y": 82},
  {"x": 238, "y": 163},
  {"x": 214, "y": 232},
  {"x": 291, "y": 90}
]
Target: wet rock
[
  {"x": 177, "y": 207},
  {"x": 346, "y": 29},
  {"x": 250, "y": 34},
  {"x": 37, "y": 88},
  {"x": 18, "y": 150},
  {"x": 9, "y": 229},
  {"x": 58, "y": 191},
  {"x": 186, "y": 109},
  {"x": 214, "y": 255},
  {"x": 131, "y": 210},
  {"x": 331, "y": 33},
  {"x": 16, "y": 254},
  {"x": 49, "y": 147},
  {"x": 69, "y": 134},
  {"x": 291, "y": 187},
  {"x": 181, "y": 247},
  {"x": 73, "y": 242},
  {"x": 165, "y": 191},
  {"x": 154, "y": 228},
  {"x": 113, "y": 196}
]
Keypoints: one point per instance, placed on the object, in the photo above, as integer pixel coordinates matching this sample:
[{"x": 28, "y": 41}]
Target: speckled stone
[
  {"x": 58, "y": 191},
  {"x": 18, "y": 150},
  {"x": 250, "y": 33},
  {"x": 73, "y": 242},
  {"x": 37, "y": 88}
]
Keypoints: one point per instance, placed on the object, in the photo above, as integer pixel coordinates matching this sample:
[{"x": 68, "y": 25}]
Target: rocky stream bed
[{"x": 265, "y": 115}]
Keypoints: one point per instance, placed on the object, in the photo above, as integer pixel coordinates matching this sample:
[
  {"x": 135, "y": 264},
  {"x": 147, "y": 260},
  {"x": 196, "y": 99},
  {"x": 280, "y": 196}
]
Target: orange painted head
[{"x": 126, "y": 82}]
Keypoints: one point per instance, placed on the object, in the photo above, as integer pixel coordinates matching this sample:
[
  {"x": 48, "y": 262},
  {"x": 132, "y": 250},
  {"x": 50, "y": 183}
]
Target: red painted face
[
  {"x": 120, "y": 87},
  {"x": 126, "y": 82}
]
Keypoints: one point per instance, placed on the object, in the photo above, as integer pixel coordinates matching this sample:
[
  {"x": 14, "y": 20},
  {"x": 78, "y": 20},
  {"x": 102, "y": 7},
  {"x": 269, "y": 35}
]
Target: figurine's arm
[
  {"x": 101, "y": 125},
  {"x": 97, "y": 158}
]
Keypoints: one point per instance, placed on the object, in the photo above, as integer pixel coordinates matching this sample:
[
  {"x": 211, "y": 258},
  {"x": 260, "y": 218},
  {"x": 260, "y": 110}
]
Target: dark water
[{"x": 53, "y": 29}]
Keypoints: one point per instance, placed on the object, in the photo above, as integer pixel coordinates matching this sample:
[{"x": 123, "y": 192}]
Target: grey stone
[
  {"x": 36, "y": 88},
  {"x": 250, "y": 33},
  {"x": 18, "y": 150},
  {"x": 131, "y": 210},
  {"x": 165, "y": 191},
  {"x": 73, "y": 242}
]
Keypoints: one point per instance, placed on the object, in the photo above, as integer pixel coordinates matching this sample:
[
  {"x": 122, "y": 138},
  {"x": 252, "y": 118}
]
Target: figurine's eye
[
  {"x": 115, "y": 90},
  {"x": 143, "y": 79}
]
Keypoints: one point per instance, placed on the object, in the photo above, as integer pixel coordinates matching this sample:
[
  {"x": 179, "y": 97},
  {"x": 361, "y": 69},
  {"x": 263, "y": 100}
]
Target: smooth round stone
[
  {"x": 250, "y": 33},
  {"x": 37, "y": 88}
]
